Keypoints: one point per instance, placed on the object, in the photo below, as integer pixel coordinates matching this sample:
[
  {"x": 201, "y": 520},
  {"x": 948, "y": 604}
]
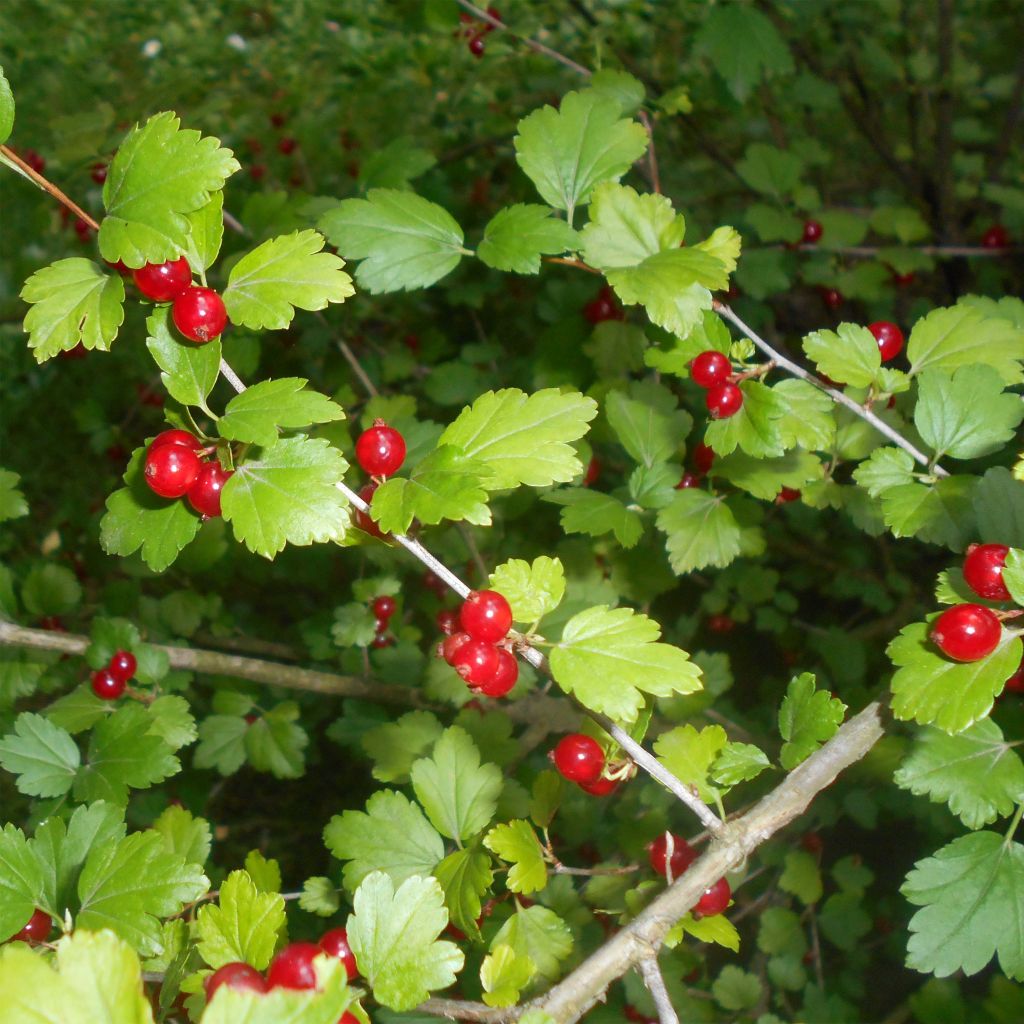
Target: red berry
[
  {"x": 335, "y": 942},
  {"x": 703, "y": 458},
  {"x": 383, "y": 607},
  {"x": 602, "y": 308},
  {"x": 603, "y": 786},
  {"x": 670, "y": 854},
  {"x": 1015, "y": 683},
  {"x": 204, "y": 494},
  {"x": 363, "y": 519},
  {"x": 904, "y": 280},
  {"x": 723, "y": 401},
  {"x": 452, "y": 644},
  {"x": 83, "y": 230},
  {"x": 832, "y": 297},
  {"x": 293, "y": 967},
  {"x": 278, "y": 120},
  {"x": 447, "y": 621},
  {"x": 476, "y": 661},
  {"x": 52, "y": 622},
  {"x": 163, "y": 282},
  {"x": 380, "y": 450},
  {"x": 983, "y": 571},
  {"x": 889, "y": 338},
  {"x": 688, "y": 480},
  {"x": 996, "y": 237},
  {"x": 579, "y": 758},
  {"x": 287, "y": 145},
  {"x": 348, "y": 1018},
  {"x": 486, "y": 616},
  {"x": 36, "y": 929},
  {"x": 476, "y": 46},
  {"x": 106, "y": 685},
  {"x": 505, "y": 677},
  {"x": 179, "y": 437},
  {"x": 710, "y": 368},
  {"x": 257, "y": 172},
  {"x": 495, "y": 14},
  {"x": 199, "y": 314},
  {"x": 380, "y": 640},
  {"x": 241, "y": 977},
  {"x": 34, "y": 160},
  {"x": 123, "y": 665},
  {"x": 98, "y": 173},
  {"x": 171, "y": 469},
  {"x": 786, "y": 495},
  {"x": 811, "y": 842},
  {"x": 715, "y": 899},
  {"x": 966, "y": 632},
  {"x": 593, "y": 472},
  {"x": 721, "y": 623},
  {"x": 812, "y": 231}
]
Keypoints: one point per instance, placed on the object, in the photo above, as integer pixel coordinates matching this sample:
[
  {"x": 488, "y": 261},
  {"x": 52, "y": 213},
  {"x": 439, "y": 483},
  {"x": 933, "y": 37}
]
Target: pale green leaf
[
  {"x": 504, "y": 974},
  {"x": 963, "y": 335},
  {"x": 517, "y": 844},
  {"x": 738, "y": 762},
  {"x": 533, "y": 589},
  {"x": 807, "y": 718},
  {"x": 756, "y": 429},
  {"x": 206, "y": 233},
  {"x": 188, "y": 371},
  {"x": 626, "y": 227},
  {"x": 596, "y": 513},
  {"x": 516, "y": 237},
  {"x": 244, "y": 925},
  {"x": 689, "y": 753},
  {"x": 701, "y": 531},
  {"x": 540, "y": 934},
  {"x": 43, "y": 756},
  {"x": 849, "y": 354},
  {"x": 256, "y": 415}
]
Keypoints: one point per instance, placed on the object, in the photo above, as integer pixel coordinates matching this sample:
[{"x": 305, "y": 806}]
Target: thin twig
[
  {"x": 872, "y": 251},
  {"x": 48, "y": 186},
  {"x": 352, "y": 360},
  {"x": 651, "y": 973},
  {"x": 231, "y": 377},
  {"x": 652, "y": 156}
]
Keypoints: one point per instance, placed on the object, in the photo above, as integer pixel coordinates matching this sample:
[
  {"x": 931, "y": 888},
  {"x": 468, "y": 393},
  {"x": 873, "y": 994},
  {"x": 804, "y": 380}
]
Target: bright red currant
[
  {"x": 689, "y": 480},
  {"x": 179, "y": 437},
  {"x": 447, "y": 621},
  {"x": 996, "y": 237},
  {"x": 786, "y": 495},
  {"x": 486, "y": 615},
  {"x": 199, "y": 314},
  {"x": 832, "y": 297},
  {"x": 723, "y": 401},
  {"x": 204, "y": 494},
  {"x": 889, "y": 338},
  {"x": 1015, "y": 684},
  {"x": 812, "y": 231},
  {"x": 603, "y": 787},
  {"x": 670, "y": 855},
  {"x": 123, "y": 665},
  {"x": 163, "y": 282},
  {"x": 505, "y": 677},
  {"x": 106, "y": 685},
  {"x": 293, "y": 967},
  {"x": 452, "y": 644},
  {"x": 715, "y": 899},
  {"x": 703, "y": 458},
  {"x": 36, "y": 929},
  {"x": 241, "y": 977},
  {"x": 363, "y": 519},
  {"x": 476, "y": 661},
  {"x": 380, "y": 450},
  {"x": 593, "y": 472},
  {"x": 171, "y": 469},
  {"x": 710, "y": 368},
  {"x": 983, "y": 571},
  {"x": 578, "y": 758},
  {"x": 476, "y": 46},
  {"x": 335, "y": 942},
  {"x": 602, "y": 308},
  {"x": 966, "y": 632},
  {"x": 383, "y": 607}
]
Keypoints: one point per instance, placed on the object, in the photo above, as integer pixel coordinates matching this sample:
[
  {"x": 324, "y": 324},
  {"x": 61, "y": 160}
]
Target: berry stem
[{"x": 48, "y": 186}]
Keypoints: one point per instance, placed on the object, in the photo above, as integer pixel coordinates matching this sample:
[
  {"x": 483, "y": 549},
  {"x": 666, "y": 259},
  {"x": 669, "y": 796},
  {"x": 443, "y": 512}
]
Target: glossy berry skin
[
  {"x": 476, "y": 661},
  {"x": 966, "y": 632},
  {"x": 715, "y": 899},
  {"x": 476, "y": 46},
  {"x": 380, "y": 451},
  {"x": 723, "y": 401},
  {"x": 179, "y": 437},
  {"x": 578, "y": 758},
  {"x": 703, "y": 458},
  {"x": 383, "y": 607},
  {"x": 504, "y": 679},
  {"x": 123, "y": 665},
  {"x": 786, "y": 495},
  {"x": 36, "y": 929},
  {"x": 293, "y": 967},
  {"x": 486, "y": 615},
  {"x": 171, "y": 469},
  {"x": 204, "y": 494},
  {"x": 447, "y": 621},
  {"x": 241, "y": 977},
  {"x": 363, "y": 519},
  {"x": 199, "y": 314},
  {"x": 812, "y": 232},
  {"x": 451, "y": 646},
  {"x": 670, "y": 854},
  {"x": 889, "y": 338},
  {"x": 983, "y": 571},
  {"x": 689, "y": 480},
  {"x": 163, "y": 282},
  {"x": 710, "y": 368},
  {"x": 106, "y": 685},
  {"x": 603, "y": 787},
  {"x": 832, "y": 297},
  {"x": 996, "y": 237},
  {"x": 335, "y": 942},
  {"x": 593, "y": 472}
]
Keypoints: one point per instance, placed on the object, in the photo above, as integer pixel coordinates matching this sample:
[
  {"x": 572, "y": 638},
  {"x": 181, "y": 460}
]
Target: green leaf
[
  {"x": 963, "y": 335},
  {"x": 648, "y": 434},
  {"x": 159, "y": 175},
  {"x": 807, "y": 718},
  {"x": 394, "y": 746},
  {"x": 445, "y": 485},
  {"x": 516, "y": 237},
  {"x": 738, "y": 762},
  {"x": 975, "y": 773},
  {"x": 999, "y": 507},
  {"x": 171, "y": 720},
  {"x": 970, "y": 893},
  {"x": 243, "y": 926},
  {"x": 189, "y": 371},
  {"x": 933, "y": 690},
  {"x": 939, "y": 513},
  {"x": 688, "y": 753},
  {"x": 137, "y": 519},
  {"x": 394, "y": 165},
  {"x": 743, "y": 45},
  {"x": 265, "y": 872},
  {"x": 392, "y": 835},
  {"x": 756, "y": 429},
  {"x": 459, "y": 794},
  {"x": 260, "y": 411},
  {"x": 12, "y": 502},
  {"x": 73, "y": 303},
  {"x": 801, "y": 877},
  {"x": 566, "y": 152},
  {"x": 523, "y": 439},
  {"x": 764, "y": 478},
  {"x": 403, "y": 240},
  {"x": 129, "y": 885},
  {"x": 287, "y": 496},
  {"x": 540, "y": 934},
  {"x": 701, "y": 531},
  {"x": 275, "y": 742},
  {"x": 222, "y": 743},
  {"x": 465, "y": 876},
  {"x": 626, "y": 227},
  {"x": 283, "y": 274},
  {"x": 965, "y": 414},
  {"x": 533, "y": 589},
  {"x": 21, "y": 881},
  {"x": 394, "y": 938},
  {"x": 319, "y": 896},
  {"x": 504, "y": 974},
  {"x": 620, "y": 86},
  {"x": 354, "y": 625},
  {"x": 50, "y": 589},
  {"x": 517, "y": 844},
  {"x": 809, "y": 421},
  {"x": 42, "y": 755},
  {"x": 184, "y": 835},
  {"x": 772, "y": 171},
  {"x": 6, "y": 108},
  {"x": 596, "y": 513},
  {"x": 887, "y": 467},
  {"x": 736, "y": 989},
  {"x": 849, "y": 354},
  {"x": 609, "y": 657},
  {"x": 206, "y": 233}
]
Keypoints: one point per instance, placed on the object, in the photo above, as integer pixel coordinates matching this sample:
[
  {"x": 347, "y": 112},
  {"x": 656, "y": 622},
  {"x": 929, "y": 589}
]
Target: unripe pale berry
[
  {"x": 966, "y": 632},
  {"x": 199, "y": 314},
  {"x": 171, "y": 469},
  {"x": 579, "y": 758},
  {"x": 163, "y": 282},
  {"x": 983, "y": 571}
]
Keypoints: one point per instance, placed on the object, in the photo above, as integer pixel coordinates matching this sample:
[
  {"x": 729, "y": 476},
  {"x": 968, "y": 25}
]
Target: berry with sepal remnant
[{"x": 967, "y": 632}]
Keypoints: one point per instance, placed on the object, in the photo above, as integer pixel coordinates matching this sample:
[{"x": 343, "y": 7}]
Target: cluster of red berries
[
  {"x": 110, "y": 682},
  {"x": 174, "y": 469},
  {"x": 970, "y": 632},
  {"x": 380, "y": 452},
  {"x": 383, "y": 608},
  {"x": 197, "y": 312},
  {"x": 476, "y": 645},
  {"x": 475, "y": 31},
  {"x": 292, "y": 968},
  {"x": 713, "y": 372},
  {"x": 36, "y": 929},
  {"x": 670, "y": 856},
  {"x": 581, "y": 759},
  {"x": 603, "y": 307}
]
